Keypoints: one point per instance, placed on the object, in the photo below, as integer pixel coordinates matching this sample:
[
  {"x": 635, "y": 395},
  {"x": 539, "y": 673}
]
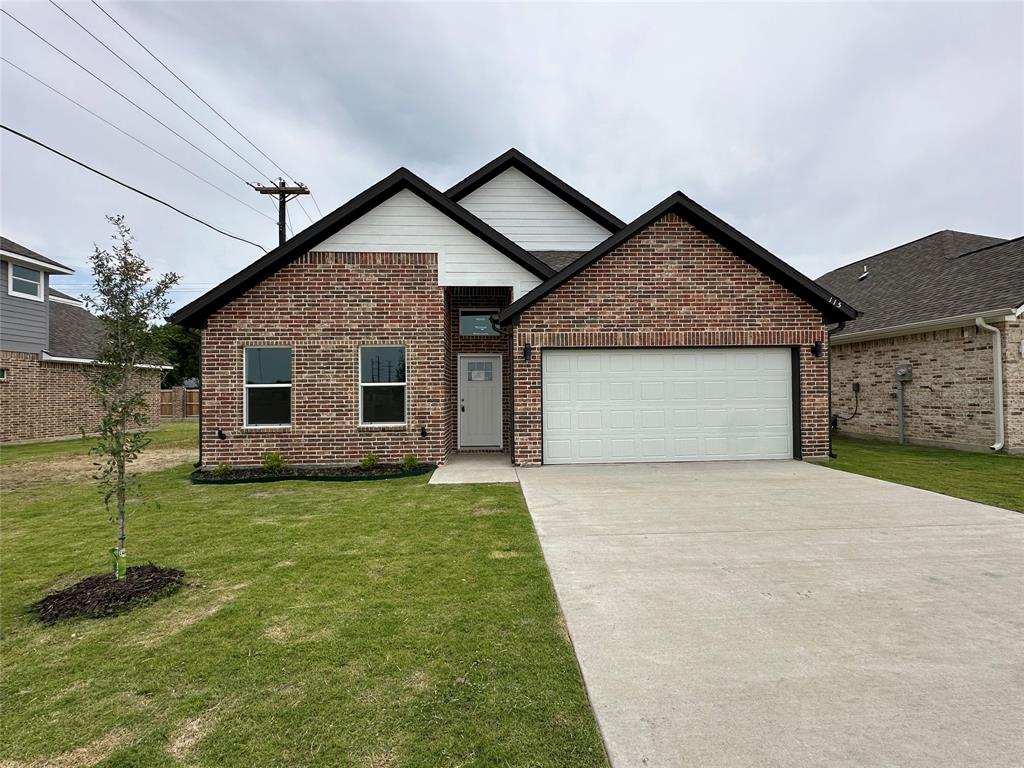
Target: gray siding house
[{"x": 45, "y": 338}]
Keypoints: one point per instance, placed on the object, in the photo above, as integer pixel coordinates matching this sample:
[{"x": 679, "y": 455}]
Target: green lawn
[
  {"x": 995, "y": 479},
  {"x": 377, "y": 624},
  {"x": 170, "y": 435}
]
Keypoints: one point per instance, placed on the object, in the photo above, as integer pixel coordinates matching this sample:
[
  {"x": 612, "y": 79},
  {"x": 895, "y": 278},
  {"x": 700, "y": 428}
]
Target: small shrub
[
  {"x": 410, "y": 462},
  {"x": 222, "y": 470},
  {"x": 370, "y": 461},
  {"x": 273, "y": 461}
]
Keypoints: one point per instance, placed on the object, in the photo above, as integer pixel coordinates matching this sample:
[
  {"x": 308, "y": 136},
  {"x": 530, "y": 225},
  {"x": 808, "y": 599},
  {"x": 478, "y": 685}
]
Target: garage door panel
[{"x": 623, "y": 405}]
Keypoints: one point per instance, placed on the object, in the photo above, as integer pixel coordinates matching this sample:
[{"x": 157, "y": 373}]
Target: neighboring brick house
[
  {"x": 511, "y": 313},
  {"x": 45, "y": 338},
  {"x": 951, "y": 306}
]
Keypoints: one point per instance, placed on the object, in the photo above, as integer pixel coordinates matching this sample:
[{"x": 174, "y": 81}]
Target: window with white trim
[
  {"x": 268, "y": 386},
  {"x": 24, "y": 282},
  {"x": 477, "y": 322},
  {"x": 382, "y": 386}
]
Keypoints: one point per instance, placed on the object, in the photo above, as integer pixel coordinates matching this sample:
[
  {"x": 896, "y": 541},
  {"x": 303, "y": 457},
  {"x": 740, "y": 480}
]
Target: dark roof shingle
[
  {"x": 74, "y": 332},
  {"x": 558, "y": 260},
  {"x": 20, "y": 250},
  {"x": 946, "y": 274}
]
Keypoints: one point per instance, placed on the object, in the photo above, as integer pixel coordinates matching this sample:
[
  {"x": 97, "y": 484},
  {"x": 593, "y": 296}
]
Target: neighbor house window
[
  {"x": 268, "y": 386},
  {"x": 382, "y": 386},
  {"x": 477, "y": 322},
  {"x": 26, "y": 282}
]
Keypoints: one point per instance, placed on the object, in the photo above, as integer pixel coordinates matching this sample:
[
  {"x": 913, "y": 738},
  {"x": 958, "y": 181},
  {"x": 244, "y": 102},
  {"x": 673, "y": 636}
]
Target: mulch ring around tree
[{"x": 98, "y": 596}]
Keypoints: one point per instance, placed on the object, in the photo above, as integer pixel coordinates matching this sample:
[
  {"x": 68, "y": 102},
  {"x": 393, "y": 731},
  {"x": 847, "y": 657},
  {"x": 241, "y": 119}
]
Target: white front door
[{"x": 479, "y": 401}]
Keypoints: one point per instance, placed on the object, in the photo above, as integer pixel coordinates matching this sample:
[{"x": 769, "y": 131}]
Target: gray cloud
[{"x": 824, "y": 131}]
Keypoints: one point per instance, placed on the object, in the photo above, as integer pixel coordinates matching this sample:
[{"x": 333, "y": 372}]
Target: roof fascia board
[
  {"x": 44, "y": 266},
  {"x": 46, "y": 357},
  {"x": 513, "y": 158},
  {"x": 924, "y": 326},
  {"x": 196, "y": 312},
  {"x": 833, "y": 308}
]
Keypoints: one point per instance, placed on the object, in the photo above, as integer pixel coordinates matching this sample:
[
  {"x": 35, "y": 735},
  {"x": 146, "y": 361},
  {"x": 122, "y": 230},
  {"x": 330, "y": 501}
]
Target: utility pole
[{"x": 284, "y": 193}]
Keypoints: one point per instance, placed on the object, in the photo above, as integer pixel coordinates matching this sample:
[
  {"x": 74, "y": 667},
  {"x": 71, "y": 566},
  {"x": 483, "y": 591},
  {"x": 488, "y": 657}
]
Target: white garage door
[{"x": 613, "y": 405}]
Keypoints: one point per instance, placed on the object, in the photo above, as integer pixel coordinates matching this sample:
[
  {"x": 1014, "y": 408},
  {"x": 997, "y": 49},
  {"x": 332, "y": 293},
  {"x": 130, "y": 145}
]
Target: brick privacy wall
[
  {"x": 478, "y": 298},
  {"x": 48, "y": 400},
  {"x": 325, "y": 306},
  {"x": 1013, "y": 384},
  {"x": 949, "y": 400},
  {"x": 669, "y": 286}
]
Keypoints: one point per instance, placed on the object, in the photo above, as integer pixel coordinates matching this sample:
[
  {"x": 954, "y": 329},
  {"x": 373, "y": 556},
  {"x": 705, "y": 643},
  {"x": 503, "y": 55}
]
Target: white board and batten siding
[
  {"x": 636, "y": 405},
  {"x": 408, "y": 224},
  {"x": 531, "y": 216}
]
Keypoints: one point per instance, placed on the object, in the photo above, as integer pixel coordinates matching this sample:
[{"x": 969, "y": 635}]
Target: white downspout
[{"x": 997, "y": 380}]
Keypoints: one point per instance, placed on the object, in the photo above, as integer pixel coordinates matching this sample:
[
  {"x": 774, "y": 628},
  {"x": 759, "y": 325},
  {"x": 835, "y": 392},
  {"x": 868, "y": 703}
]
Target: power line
[
  {"x": 129, "y": 186},
  {"x": 112, "y": 88},
  {"x": 134, "y": 138},
  {"x": 231, "y": 125},
  {"x": 157, "y": 88}
]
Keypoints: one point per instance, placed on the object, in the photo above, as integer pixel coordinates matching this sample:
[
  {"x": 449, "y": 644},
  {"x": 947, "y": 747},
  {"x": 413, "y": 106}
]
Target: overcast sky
[{"x": 826, "y": 132}]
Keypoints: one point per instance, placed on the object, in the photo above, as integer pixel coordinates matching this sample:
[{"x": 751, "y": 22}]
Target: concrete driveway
[{"x": 785, "y": 614}]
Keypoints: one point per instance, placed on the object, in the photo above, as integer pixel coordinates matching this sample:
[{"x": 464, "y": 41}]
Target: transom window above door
[
  {"x": 382, "y": 386},
  {"x": 477, "y": 322}
]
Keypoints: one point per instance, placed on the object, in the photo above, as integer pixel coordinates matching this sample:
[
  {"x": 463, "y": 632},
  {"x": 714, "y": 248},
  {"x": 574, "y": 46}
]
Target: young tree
[{"x": 127, "y": 302}]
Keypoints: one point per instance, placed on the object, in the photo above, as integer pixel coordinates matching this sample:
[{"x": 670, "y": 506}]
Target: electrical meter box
[{"x": 904, "y": 372}]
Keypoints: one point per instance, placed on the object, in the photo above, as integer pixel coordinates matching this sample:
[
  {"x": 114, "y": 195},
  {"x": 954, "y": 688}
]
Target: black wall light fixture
[
  {"x": 527, "y": 351},
  {"x": 818, "y": 349},
  {"x": 221, "y": 435}
]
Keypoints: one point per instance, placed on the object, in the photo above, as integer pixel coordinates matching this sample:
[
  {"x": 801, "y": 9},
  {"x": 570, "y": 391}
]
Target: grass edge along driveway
[
  {"x": 988, "y": 478},
  {"x": 385, "y": 623}
]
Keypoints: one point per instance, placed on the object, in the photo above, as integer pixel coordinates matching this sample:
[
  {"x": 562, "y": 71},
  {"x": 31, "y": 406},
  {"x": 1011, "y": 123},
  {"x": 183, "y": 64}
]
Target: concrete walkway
[
  {"x": 475, "y": 468},
  {"x": 785, "y": 614}
]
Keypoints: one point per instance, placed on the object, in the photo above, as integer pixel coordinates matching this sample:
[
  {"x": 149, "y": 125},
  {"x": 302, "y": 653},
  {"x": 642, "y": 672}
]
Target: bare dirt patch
[
  {"x": 91, "y": 754},
  {"x": 70, "y": 469},
  {"x": 503, "y": 554},
  {"x": 191, "y": 732},
  {"x": 213, "y": 600}
]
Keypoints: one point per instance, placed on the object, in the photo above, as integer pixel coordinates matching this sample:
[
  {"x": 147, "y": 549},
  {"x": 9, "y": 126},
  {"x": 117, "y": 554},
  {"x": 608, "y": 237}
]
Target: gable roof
[
  {"x": 196, "y": 312},
  {"x": 832, "y": 308},
  {"x": 513, "y": 158},
  {"x": 945, "y": 274},
  {"x": 16, "y": 249}
]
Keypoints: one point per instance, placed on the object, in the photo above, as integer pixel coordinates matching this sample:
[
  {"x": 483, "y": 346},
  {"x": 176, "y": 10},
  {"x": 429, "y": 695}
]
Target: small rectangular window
[
  {"x": 25, "y": 282},
  {"x": 268, "y": 386},
  {"x": 477, "y": 322},
  {"x": 3, "y": 374},
  {"x": 382, "y": 386}
]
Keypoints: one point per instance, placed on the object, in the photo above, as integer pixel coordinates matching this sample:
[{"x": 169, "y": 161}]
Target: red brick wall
[
  {"x": 325, "y": 306},
  {"x": 669, "y": 286},
  {"x": 478, "y": 298},
  {"x": 48, "y": 400}
]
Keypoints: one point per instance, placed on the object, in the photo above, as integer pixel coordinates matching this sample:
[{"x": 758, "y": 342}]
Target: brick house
[
  {"x": 512, "y": 313},
  {"x": 46, "y": 337},
  {"x": 950, "y": 305}
]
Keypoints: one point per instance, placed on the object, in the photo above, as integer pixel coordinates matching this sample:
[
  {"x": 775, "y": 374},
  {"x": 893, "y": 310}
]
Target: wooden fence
[{"x": 179, "y": 403}]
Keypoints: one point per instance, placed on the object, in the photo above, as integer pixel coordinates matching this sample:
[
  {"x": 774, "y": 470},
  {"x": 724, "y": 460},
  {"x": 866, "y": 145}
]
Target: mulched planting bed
[
  {"x": 104, "y": 595},
  {"x": 260, "y": 475}
]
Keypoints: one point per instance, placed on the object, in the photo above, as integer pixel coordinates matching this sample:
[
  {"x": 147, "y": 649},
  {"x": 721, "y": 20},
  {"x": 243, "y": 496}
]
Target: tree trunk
[{"x": 120, "y": 556}]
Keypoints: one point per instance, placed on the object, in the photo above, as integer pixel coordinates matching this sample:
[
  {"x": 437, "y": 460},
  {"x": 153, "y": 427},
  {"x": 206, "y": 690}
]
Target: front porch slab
[{"x": 475, "y": 468}]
